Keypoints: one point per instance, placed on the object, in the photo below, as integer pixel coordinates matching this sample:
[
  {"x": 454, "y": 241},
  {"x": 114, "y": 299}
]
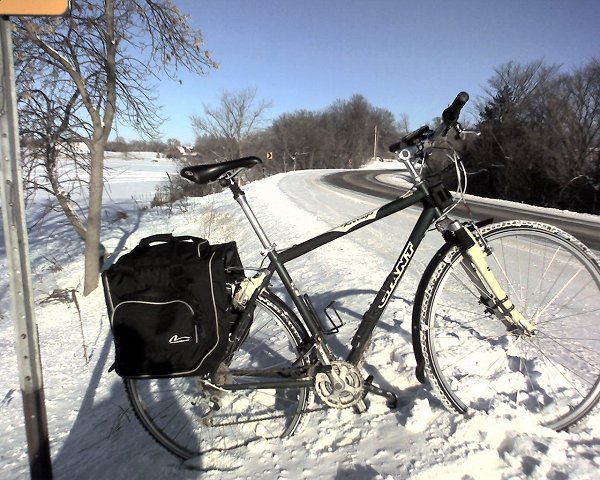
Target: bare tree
[
  {"x": 235, "y": 118},
  {"x": 53, "y": 158},
  {"x": 540, "y": 136},
  {"x": 576, "y": 125},
  {"x": 352, "y": 123},
  {"x": 298, "y": 133},
  {"x": 341, "y": 136},
  {"x": 107, "y": 52}
]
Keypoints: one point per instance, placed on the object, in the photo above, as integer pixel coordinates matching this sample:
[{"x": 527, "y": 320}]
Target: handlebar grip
[
  {"x": 451, "y": 114},
  {"x": 396, "y": 147},
  {"x": 409, "y": 139}
]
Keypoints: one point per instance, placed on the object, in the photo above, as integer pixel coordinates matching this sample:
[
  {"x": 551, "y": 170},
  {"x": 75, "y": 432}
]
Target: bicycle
[{"x": 500, "y": 315}]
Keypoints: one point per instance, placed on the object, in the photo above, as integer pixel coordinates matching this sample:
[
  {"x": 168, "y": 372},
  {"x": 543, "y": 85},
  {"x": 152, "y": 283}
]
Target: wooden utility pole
[
  {"x": 375, "y": 145},
  {"x": 17, "y": 242}
]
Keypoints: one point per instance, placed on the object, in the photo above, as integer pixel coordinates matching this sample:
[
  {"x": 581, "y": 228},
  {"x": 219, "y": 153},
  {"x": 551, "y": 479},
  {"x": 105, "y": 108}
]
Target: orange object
[{"x": 34, "y": 7}]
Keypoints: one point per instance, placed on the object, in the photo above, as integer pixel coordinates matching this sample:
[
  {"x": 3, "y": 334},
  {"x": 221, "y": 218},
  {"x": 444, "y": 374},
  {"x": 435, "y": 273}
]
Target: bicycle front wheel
[
  {"x": 475, "y": 361},
  {"x": 190, "y": 417}
]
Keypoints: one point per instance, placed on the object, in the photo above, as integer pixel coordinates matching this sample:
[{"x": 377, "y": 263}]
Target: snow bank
[{"x": 94, "y": 433}]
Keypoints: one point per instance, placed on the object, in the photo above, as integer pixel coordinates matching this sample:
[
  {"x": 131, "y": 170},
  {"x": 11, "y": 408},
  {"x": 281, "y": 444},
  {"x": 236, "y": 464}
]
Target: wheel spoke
[
  {"x": 190, "y": 416},
  {"x": 478, "y": 363}
]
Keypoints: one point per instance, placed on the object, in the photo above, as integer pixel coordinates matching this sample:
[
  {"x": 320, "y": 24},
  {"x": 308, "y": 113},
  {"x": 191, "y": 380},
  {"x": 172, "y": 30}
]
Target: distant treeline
[
  {"x": 170, "y": 148},
  {"x": 539, "y": 139}
]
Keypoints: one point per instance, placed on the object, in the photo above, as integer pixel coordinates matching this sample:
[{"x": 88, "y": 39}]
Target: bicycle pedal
[{"x": 360, "y": 407}]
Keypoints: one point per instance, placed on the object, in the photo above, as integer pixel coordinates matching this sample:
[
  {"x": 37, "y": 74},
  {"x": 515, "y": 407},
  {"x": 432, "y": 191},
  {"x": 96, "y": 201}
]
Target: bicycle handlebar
[
  {"x": 409, "y": 139},
  {"x": 449, "y": 119},
  {"x": 451, "y": 114}
]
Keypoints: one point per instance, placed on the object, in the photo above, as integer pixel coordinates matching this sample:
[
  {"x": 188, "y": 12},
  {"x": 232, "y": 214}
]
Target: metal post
[
  {"x": 19, "y": 269},
  {"x": 375, "y": 145}
]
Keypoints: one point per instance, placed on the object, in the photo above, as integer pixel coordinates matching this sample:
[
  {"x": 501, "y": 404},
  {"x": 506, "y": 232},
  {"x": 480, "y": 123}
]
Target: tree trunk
[
  {"x": 92, "y": 239},
  {"x": 84, "y": 50},
  {"x": 102, "y": 128},
  {"x": 63, "y": 198}
]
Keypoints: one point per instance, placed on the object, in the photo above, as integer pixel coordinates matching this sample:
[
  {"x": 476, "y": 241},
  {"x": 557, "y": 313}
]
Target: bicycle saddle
[{"x": 209, "y": 172}]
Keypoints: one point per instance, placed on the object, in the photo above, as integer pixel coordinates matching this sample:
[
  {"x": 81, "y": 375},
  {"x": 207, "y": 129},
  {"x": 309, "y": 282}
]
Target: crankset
[{"x": 342, "y": 386}]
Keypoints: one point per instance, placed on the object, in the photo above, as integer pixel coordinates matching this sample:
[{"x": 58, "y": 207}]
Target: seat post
[{"x": 240, "y": 197}]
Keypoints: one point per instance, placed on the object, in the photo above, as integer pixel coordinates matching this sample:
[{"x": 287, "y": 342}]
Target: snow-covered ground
[{"x": 93, "y": 431}]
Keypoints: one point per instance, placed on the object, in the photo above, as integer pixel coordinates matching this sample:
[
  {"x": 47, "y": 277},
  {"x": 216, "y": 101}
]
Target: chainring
[{"x": 342, "y": 387}]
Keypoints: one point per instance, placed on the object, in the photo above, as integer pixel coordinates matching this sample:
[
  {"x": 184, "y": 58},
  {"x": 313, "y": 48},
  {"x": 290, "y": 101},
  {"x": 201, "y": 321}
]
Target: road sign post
[
  {"x": 17, "y": 242},
  {"x": 17, "y": 252}
]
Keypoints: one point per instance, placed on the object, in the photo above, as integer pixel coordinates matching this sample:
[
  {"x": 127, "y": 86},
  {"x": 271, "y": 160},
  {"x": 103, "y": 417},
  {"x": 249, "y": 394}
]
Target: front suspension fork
[{"x": 493, "y": 295}]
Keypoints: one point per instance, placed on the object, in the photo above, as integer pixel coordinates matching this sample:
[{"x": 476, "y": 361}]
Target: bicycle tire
[
  {"x": 475, "y": 362},
  {"x": 181, "y": 413}
]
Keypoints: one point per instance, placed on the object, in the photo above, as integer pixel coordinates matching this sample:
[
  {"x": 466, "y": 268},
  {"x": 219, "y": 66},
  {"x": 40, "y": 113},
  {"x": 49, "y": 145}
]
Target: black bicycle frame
[{"x": 432, "y": 210}]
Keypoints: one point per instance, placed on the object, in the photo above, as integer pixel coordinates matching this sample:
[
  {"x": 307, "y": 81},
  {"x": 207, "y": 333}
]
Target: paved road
[{"x": 585, "y": 228}]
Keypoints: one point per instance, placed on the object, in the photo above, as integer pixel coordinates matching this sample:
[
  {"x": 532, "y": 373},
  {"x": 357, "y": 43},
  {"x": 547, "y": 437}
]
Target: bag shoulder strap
[
  {"x": 202, "y": 245},
  {"x": 169, "y": 237}
]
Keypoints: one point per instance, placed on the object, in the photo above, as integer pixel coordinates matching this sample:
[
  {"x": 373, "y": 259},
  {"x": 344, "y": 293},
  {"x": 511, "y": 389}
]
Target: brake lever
[
  {"x": 461, "y": 133},
  {"x": 464, "y": 133}
]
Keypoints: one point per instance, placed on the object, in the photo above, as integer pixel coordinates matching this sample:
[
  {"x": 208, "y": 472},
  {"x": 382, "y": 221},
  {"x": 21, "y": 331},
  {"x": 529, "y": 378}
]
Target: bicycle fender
[
  {"x": 417, "y": 307},
  {"x": 439, "y": 256}
]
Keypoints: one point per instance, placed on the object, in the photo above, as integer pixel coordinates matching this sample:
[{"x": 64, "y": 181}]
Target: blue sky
[{"x": 409, "y": 56}]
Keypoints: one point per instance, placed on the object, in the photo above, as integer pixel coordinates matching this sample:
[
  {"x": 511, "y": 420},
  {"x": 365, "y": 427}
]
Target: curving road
[{"x": 371, "y": 182}]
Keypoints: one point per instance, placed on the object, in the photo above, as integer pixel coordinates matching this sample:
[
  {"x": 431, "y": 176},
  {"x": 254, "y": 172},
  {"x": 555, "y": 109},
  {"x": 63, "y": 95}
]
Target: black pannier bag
[{"x": 169, "y": 305}]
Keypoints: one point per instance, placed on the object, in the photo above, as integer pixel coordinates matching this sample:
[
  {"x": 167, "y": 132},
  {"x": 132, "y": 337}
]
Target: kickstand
[{"x": 390, "y": 398}]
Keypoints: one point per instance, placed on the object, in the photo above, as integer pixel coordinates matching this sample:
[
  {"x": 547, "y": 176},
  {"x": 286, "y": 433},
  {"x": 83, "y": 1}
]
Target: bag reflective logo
[{"x": 177, "y": 339}]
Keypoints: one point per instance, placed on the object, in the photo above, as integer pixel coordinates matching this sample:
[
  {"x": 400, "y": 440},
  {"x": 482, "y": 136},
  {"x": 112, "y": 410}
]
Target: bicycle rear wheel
[
  {"x": 475, "y": 361},
  {"x": 190, "y": 418}
]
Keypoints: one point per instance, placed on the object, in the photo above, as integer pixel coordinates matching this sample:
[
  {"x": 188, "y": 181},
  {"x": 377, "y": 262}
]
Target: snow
[{"x": 94, "y": 433}]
